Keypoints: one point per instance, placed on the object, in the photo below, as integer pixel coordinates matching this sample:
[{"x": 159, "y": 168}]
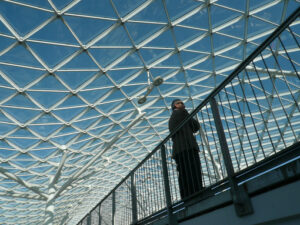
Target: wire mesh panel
[
  {"x": 210, "y": 153},
  {"x": 149, "y": 187},
  {"x": 106, "y": 211},
  {"x": 173, "y": 174},
  {"x": 260, "y": 107},
  {"x": 123, "y": 204},
  {"x": 95, "y": 216}
]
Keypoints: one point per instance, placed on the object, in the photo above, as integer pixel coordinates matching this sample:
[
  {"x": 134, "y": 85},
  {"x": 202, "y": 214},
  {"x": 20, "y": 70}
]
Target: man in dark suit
[{"x": 185, "y": 150}]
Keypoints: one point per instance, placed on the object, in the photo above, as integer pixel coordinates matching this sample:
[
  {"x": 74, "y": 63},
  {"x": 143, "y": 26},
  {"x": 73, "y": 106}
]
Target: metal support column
[
  {"x": 239, "y": 194},
  {"x": 171, "y": 216},
  {"x": 133, "y": 200},
  {"x": 113, "y": 208}
]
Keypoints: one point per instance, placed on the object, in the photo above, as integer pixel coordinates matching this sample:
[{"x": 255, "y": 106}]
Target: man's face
[{"x": 179, "y": 105}]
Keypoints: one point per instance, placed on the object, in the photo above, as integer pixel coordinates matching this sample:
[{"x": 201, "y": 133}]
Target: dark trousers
[{"x": 189, "y": 172}]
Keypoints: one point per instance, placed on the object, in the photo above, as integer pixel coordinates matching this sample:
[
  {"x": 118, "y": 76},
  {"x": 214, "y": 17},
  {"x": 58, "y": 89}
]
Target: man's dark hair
[{"x": 173, "y": 103}]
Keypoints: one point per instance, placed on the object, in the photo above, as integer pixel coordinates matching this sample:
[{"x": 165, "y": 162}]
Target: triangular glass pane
[
  {"x": 172, "y": 61},
  {"x": 116, "y": 95},
  {"x": 198, "y": 20},
  {"x": 203, "y": 45},
  {"x": 121, "y": 75},
  {"x": 107, "y": 107},
  {"x": 164, "y": 40},
  {"x": 23, "y": 143},
  {"x": 235, "y": 4},
  {"x": 20, "y": 55},
  {"x": 237, "y": 29},
  {"x": 47, "y": 99},
  {"x": 66, "y": 130},
  {"x": 21, "y": 76},
  {"x": 67, "y": 114},
  {"x": 177, "y": 8},
  {"x": 5, "y": 42},
  {"x": 220, "y": 15},
  {"x": 106, "y": 56},
  {"x": 4, "y": 92},
  {"x": 56, "y": 31},
  {"x": 116, "y": 37},
  {"x": 100, "y": 82},
  {"x": 44, "y": 130},
  {"x": 62, "y": 140},
  {"x": 85, "y": 123},
  {"x": 44, "y": 4},
  {"x": 255, "y": 4},
  {"x": 150, "y": 55},
  {"x": 125, "y": 8},
  {"x": 221, "y": 42},
  {"x": 22, "y": 133},
  {"x": 5, "y": 154},
  {"x": 60, "y": 4},
  {"x": 52, "y": 54},
  {"x": 133, "y": 60},
  {"x": 46, "y": 119},
  {"x": 141, "y": 31},
  {"x": 48, "y": 83},
  {"x": 93, "y": 95},
  {"x": 87, "y": 28},
  {"x": 91, "y": 113},
  {"x": 3, "y": 29},
  {"x": 189, "y": 57},
  {"x": 167, "y": 88},
  {"x": 132, "y": 89},
  {"x": 118, "y": 116},
  {"x": 23, "y": 19},
  {"x": 3, "y": 118},
  {"x": 20, "y": 100},
  {"x": 153, "y": 12},
  {"x": 184, "y": 35},
  {"x": 256, "y": 26},
  {"x": 24, "y": 160},
  {"x": 5, "y": 128},
  {"x": 179, "y": 77},
  {"x": 42, "y": 168},
  {"x": 94, "y": 8},
  {"x": 22, "y": 115},
  {"x": 72, "y": 101},
  {"x": 75, "y": 78},
  {"x": 207, "y": 65},
  {"x": 82, "y": 61},
  {"x": 273, "y": 13}
]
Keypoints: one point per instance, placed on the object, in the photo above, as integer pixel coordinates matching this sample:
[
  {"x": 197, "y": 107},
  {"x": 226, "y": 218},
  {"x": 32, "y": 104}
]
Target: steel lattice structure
[{"x": 71, "y": 73}]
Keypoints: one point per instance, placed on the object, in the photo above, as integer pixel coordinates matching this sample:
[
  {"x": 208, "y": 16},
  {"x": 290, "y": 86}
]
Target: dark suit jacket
[{"x": 183, "y": 140}]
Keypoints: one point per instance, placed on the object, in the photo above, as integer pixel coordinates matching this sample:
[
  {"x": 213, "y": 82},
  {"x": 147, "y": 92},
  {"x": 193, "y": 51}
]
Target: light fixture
[{"x": 156, "y": 82}]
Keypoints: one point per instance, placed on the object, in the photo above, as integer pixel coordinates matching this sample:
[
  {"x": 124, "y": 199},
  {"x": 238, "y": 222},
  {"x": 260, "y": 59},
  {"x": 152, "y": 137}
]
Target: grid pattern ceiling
[{"x": 71, "y": 73}]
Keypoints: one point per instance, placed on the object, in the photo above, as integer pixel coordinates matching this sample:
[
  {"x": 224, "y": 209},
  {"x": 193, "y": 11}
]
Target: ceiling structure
[{"x": 71, "y": 75}]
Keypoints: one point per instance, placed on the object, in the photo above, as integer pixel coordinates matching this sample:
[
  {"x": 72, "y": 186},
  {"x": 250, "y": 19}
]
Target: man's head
[{"x": 177, "y": 104}]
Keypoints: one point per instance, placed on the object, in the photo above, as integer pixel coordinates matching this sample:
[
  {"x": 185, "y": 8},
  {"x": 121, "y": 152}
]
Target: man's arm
[
  {"x": 195, "y": 125},
  {"x": 177, "y": 117}
]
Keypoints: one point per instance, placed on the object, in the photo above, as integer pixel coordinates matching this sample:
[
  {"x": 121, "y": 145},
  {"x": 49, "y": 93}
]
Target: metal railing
[{"x": 252, "y": 115}]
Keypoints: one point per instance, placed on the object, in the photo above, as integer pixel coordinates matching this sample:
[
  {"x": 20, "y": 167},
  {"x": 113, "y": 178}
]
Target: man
[{"x": 185, "y": 150}]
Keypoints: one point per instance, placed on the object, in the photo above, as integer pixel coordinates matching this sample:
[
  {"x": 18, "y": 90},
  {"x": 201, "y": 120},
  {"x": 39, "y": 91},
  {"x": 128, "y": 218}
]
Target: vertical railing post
[
  {"x": 240, "y": 196},
  {"x": 113, "y": 208},
  {"x": 133, "y": 199},
  {"x": 89, "y": 219},
  {"x": 171, "y": 216},
  {"x": 100, "y": 219}
]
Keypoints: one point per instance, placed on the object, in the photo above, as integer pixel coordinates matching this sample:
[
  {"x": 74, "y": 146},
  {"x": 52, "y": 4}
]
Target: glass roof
[{"x": 71, "y": 76}]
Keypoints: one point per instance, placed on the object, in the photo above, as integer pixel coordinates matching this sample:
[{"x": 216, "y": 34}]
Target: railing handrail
[{"x": 234, "y": 73}]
